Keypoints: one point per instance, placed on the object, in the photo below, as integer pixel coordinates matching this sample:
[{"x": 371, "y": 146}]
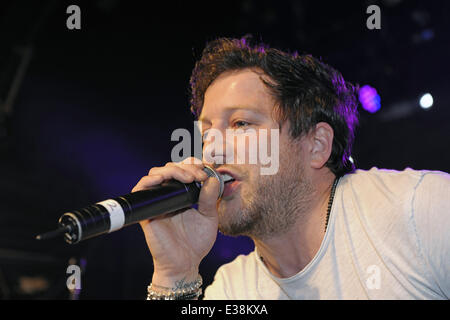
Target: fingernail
[{"x": 203, "y": 175}]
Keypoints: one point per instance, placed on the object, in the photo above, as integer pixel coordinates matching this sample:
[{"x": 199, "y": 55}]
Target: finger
[
  {"x": 173, "y": 172},
  {"x": 148, "y": 181},
  {"x": 195, "y": 170},
  {"x": 209, "y": 194},
  {"x": 193, "y": 161}
]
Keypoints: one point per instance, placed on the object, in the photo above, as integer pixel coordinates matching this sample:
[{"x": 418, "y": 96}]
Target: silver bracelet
[{"x": 187, "y": 292}]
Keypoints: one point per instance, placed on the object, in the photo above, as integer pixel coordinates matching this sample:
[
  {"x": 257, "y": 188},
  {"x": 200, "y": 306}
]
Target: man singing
[{"x": 322, "y": 230}]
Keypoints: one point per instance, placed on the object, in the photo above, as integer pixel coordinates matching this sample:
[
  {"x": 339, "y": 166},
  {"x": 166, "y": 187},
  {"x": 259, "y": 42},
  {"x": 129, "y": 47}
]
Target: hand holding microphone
[{"x": 178, "y": 241}]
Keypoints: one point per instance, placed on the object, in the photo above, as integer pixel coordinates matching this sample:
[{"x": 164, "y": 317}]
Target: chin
[{"x": 229, "y": 208}]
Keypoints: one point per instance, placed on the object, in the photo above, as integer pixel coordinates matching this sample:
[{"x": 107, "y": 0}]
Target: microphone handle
[{"x": 113, "y": 214}]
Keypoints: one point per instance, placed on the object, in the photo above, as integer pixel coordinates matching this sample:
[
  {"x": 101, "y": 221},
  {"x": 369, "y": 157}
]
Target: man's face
[{"x": 255, "y": 204}]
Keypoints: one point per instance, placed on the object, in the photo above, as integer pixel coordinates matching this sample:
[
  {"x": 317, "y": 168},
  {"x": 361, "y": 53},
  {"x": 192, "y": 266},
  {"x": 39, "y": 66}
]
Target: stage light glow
[
  {"x": 369, "y": 98},
  {"x": 426, "y": 101}
]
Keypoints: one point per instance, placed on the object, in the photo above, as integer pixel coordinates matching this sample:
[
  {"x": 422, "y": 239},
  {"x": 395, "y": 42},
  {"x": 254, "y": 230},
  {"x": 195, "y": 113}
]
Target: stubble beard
[{"x": 271, "y": 207}]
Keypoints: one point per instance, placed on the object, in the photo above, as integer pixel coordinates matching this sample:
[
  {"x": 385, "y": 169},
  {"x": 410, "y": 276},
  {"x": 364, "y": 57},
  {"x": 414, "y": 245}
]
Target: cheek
[
  {"x": 254, "y": 177},
  {"x": 244, "y": 147}
]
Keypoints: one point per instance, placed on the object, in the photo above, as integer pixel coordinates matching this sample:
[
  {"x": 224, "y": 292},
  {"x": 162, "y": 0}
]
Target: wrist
[
  {"x": 174, "y": 279},
  {"x": 182, "y": 289}
]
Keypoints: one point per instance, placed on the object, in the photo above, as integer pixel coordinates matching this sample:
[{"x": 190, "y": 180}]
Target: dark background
[{"x": 84, "y": 114}]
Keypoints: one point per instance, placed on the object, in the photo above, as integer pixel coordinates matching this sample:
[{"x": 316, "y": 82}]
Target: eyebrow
[{"x": 234, "y": 108}]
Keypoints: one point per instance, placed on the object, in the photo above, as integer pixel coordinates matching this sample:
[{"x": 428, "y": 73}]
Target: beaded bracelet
[{"x": 155, "y": 292}]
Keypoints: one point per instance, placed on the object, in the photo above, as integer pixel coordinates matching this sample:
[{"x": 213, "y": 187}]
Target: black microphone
[{"x": 113, "y": 214}]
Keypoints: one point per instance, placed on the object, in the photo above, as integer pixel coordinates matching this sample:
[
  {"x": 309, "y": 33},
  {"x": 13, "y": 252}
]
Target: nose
[{"x": 215, "y": 148}]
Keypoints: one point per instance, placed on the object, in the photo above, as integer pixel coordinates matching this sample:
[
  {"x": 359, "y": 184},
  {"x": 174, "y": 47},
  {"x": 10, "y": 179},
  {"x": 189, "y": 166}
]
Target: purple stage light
[{"x": 369, "y": 98}]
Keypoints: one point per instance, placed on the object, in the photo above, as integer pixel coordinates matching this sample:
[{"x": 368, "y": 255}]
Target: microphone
[{"x": 113, "y": 214}]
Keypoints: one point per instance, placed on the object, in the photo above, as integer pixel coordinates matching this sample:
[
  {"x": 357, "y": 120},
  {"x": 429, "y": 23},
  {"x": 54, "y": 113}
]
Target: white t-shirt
[{"x": 388, "y": 238}]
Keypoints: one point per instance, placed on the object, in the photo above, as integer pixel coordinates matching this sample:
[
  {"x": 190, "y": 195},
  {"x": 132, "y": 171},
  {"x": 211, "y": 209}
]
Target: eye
[{"x": 241, "y": 123}]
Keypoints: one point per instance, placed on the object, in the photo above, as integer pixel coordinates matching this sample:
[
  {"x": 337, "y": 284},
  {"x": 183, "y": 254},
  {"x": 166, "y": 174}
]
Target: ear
[{"x": 321, "y": 144}]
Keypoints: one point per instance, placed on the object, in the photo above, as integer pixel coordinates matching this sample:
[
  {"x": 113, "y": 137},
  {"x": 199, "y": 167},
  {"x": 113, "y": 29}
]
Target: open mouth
[
  {"x": 230, "y": 185},
  {"x": 227, "y": 178}
]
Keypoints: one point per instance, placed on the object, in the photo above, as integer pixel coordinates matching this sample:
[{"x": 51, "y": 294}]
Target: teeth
[{"x": 227, "y": 177}]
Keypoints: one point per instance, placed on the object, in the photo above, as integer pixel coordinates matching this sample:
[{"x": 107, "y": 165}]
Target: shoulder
[
  {"x": 400, "y": 189},
  {"x": 406, "y": 217},
  {"x": 432, "y": 194},
  {"x": 392, "y": 180},
  {"x": 398, "y": 184},
  {"x": 434, "y": 184},
  {"x": 391, "y": 204},
  {"x": 415, "y": 202},
  {"x": 431, "y": 208},
  {"x": 389, "y": 186},
  {"x": 231, "y": 277}
]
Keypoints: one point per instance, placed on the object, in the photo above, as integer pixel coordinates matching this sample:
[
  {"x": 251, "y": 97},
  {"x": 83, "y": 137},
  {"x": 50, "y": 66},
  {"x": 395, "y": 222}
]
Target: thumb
[{"x": 209, "y": 194}]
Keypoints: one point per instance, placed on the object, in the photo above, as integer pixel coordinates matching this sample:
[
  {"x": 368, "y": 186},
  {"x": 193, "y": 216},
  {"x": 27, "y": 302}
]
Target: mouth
[
  {"x": 227, "y": 175},
  {"x": 231, "y": 182},
  {"x": 227, "y": 178}
]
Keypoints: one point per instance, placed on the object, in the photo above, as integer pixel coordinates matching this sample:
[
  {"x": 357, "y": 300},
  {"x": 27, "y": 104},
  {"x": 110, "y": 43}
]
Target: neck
[{"x": 287, "y": 254}]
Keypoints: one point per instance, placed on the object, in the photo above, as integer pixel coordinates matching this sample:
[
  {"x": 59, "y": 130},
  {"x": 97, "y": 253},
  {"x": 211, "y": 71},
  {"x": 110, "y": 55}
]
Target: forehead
[{"x": 236, "y": 90}]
